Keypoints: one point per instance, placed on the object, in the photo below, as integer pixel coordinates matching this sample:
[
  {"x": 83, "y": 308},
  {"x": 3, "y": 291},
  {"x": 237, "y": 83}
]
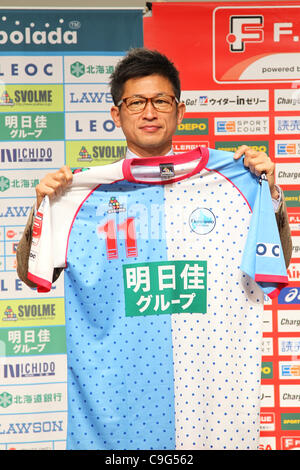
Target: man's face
[{"x": 150, "y": 132}]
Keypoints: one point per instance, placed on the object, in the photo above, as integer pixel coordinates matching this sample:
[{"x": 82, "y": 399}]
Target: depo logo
[{"x": 244, "y": 29}]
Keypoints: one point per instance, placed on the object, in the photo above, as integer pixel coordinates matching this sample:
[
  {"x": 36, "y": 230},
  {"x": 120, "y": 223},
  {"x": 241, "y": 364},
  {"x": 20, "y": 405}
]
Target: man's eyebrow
[{"x": 162, "y": 93}]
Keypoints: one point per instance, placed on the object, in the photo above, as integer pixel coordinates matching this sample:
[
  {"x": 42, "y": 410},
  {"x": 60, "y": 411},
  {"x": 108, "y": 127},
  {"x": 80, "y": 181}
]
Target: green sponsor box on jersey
[{"x": 165, "y": 288}]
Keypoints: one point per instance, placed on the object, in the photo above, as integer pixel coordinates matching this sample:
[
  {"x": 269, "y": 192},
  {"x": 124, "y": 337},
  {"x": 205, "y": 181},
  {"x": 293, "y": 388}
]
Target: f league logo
[{"x": 244, "y": 29}]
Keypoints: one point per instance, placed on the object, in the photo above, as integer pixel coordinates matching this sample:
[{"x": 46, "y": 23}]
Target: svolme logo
[{"x": 29, "y": 34}]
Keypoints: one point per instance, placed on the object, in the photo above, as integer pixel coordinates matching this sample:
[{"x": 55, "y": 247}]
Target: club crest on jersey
[
  {"x": 115, "y": 206},
  {"x": 166, "y": 170},
  {"x": 202, "y": 221}
]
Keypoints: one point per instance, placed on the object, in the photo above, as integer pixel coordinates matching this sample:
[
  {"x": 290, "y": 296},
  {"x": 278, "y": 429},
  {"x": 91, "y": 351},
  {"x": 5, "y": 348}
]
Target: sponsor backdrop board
[
  {"x": 54, "y": 110},
  {"x": 240, "y": 74}
]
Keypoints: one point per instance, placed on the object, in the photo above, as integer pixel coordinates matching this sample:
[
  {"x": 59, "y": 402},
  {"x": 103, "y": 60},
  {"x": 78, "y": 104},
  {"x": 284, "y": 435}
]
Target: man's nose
[{"x": 149, "y": 111}]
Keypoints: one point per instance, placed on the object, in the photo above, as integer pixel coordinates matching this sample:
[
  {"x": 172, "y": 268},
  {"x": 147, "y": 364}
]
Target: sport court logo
[{"x": 244, "y": 29}]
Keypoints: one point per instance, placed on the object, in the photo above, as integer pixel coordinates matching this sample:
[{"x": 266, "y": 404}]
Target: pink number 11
[{"x": 109, "y": 229}]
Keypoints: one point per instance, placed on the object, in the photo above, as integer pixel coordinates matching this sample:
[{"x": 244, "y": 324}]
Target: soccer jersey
[{"x": 166, "y": 263}]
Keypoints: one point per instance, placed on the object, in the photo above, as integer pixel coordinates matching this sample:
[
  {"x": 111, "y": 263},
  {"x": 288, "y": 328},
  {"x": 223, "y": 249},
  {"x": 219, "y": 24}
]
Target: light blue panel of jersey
[{"x": 120, "y": 369}]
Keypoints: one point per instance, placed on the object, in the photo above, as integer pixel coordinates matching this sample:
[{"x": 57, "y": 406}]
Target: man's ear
[
  {"x": 180, "y": 112},
  {"x": 115, "y": 114}
]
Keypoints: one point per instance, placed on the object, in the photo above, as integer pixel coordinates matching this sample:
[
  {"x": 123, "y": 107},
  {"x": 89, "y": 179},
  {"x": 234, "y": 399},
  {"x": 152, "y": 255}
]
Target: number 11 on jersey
[{"x": 110, "y": 230}]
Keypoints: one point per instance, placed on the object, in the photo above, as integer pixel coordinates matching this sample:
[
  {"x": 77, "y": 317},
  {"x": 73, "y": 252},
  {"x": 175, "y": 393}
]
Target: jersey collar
[{"x": 149, "y": 169}]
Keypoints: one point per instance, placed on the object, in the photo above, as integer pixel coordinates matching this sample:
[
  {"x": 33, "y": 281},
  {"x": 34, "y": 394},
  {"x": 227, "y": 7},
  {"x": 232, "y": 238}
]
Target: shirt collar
[{"x": 130, "y": 154}]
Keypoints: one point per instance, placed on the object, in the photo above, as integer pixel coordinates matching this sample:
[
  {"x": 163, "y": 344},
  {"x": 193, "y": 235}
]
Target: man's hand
[
  {"x": 258, "y": 163},
  {"x": 53, "y": 184}
]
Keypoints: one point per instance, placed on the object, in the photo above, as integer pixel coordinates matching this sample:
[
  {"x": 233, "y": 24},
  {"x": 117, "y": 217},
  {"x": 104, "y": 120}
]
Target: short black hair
[{"x": 141, "y": 62}]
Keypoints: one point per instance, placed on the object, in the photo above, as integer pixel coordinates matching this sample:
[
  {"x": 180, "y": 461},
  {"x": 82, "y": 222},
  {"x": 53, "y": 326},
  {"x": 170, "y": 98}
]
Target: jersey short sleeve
[
  {"x": 263, "y": 258},
  {"x": 41, "y": 260},
  {"x": 54, "y": 219}
]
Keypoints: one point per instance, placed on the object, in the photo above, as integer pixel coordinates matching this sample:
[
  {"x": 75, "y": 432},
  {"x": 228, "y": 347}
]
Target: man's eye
[
  {"x": 160, "y": 101},
  {"x": 136, "y": 103},
  {"x": 163, "y": 102}
]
